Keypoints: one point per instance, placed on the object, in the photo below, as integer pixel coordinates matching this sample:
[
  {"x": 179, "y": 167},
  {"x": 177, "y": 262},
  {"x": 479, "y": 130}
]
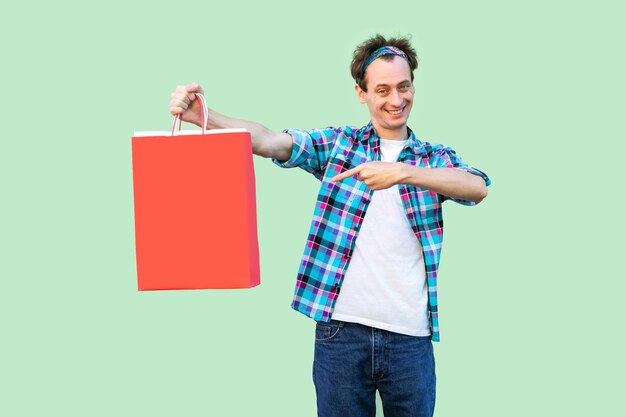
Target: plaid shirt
[{"x": 341, "y": 206}]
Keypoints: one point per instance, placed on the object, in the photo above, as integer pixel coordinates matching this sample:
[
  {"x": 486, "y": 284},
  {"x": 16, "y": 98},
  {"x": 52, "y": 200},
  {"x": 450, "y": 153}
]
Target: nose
[{"x": 396, "y": 98}]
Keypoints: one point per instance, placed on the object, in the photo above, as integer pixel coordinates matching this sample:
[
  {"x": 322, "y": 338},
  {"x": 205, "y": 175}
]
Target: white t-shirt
[{"x": 385, "y": 283}]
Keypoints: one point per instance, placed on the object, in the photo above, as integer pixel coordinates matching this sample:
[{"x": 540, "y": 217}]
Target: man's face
[{"x": 389, "y": 96}]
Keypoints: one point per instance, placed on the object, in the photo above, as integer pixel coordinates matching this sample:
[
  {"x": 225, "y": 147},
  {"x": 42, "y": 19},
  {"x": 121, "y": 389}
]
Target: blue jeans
[{"x": 352, "y": 361}]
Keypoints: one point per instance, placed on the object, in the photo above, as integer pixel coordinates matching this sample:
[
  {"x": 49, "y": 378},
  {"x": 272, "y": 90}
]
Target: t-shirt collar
[{"x": 413, "y": 144}]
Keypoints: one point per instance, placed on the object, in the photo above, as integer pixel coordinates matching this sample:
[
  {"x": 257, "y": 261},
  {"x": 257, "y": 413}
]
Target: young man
[{"x": 369, "y": 271}]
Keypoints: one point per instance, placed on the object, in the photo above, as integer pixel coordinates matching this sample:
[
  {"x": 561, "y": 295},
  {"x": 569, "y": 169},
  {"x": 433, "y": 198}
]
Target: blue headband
[{"x": 385, "y": 50}]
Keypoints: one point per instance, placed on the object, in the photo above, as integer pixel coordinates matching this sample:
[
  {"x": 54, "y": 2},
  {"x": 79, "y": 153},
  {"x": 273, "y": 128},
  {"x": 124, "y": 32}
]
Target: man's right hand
[
  {"x": 184, "y": 102},
  {"x": 265, "y": 142}
]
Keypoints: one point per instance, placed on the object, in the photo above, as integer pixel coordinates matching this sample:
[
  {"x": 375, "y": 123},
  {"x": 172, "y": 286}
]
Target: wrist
[{"x": 403, "y": 173}]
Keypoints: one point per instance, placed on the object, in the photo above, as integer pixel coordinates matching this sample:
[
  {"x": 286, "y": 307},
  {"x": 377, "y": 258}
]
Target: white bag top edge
[{"x": 185, "y": 132}]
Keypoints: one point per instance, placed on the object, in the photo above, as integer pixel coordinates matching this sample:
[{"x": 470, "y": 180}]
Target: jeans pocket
[{"x": 327, "y": 331}]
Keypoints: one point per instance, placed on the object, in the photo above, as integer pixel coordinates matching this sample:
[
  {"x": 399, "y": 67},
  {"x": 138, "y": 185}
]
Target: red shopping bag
[{"x": 195, "y": 209}]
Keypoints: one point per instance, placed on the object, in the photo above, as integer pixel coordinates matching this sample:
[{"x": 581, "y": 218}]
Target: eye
[{"x": 381, "y": 92}]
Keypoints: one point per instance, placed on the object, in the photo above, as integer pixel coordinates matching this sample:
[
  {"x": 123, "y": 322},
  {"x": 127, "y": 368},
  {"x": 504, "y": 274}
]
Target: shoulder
[
  {"x": 437, "y": 150},
  {"x": 348, "y": 131},
  {"x": 437, "y": 154},
  {"x": 328, "y": 131}
]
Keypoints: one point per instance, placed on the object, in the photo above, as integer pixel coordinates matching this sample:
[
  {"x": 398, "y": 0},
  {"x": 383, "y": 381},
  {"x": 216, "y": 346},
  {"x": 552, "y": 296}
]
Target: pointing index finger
[{"x": 346, "y": 174}]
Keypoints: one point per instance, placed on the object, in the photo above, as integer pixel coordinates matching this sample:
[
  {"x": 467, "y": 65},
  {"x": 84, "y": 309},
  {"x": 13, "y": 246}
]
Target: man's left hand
[{"x": 376, "y": 175}]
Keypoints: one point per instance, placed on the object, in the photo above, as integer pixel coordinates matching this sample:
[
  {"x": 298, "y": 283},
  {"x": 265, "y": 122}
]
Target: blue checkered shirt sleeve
[
  {"x": 446, "y": 157},
  {"x": 311, "y": 149}
]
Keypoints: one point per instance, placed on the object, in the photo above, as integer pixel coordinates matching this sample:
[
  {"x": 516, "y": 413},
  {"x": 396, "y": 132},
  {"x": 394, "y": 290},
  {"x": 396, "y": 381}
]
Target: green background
[{"x": 531, "y": 280}]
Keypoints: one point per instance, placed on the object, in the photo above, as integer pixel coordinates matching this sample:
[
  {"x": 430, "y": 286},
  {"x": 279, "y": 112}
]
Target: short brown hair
[{"x": 365, "y": 50}]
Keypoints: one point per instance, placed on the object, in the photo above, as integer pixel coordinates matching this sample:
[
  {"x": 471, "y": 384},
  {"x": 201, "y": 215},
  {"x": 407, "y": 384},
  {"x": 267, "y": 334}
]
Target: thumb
[{"x": 194, "y": 88}]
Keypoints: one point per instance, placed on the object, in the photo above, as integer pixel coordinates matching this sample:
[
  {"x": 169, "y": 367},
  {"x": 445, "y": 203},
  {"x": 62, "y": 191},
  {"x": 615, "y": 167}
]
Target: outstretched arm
[{"x": 265, "y": 142}]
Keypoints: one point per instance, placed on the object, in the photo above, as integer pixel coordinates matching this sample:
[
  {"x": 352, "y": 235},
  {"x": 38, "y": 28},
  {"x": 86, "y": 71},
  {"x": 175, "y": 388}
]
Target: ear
[{"x": 360, "y": 93}]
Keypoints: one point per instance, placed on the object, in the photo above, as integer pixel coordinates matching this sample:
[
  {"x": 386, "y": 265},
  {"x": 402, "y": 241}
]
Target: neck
[{"x": 391, "y": 134}]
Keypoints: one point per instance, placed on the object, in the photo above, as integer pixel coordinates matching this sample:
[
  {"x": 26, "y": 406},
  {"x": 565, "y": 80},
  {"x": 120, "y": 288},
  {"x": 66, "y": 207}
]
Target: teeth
[{"x": 395, "y": 112}]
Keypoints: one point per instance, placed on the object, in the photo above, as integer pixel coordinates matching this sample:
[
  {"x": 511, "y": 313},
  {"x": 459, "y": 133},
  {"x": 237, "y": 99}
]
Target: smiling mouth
[{"x": 395, "y": 112}]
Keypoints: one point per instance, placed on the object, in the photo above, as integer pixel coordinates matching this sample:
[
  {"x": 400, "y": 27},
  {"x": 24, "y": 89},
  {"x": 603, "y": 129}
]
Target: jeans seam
[{"x": 373, "y": 340}]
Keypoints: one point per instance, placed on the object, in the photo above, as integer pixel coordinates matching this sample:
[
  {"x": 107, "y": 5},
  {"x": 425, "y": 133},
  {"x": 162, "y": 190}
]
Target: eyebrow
[{"x": 387, "y": 85}]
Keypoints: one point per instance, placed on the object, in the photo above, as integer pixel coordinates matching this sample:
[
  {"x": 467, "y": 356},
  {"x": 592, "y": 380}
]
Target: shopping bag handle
[{"x": 205, "y": 120}]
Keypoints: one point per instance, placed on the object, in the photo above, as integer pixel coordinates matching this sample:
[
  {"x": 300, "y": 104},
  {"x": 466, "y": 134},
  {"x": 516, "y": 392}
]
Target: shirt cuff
[
  {"x": 471, "y": 171},
  {"x": 298, "y": 139},
  {"x": 476, "y": 172}
]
